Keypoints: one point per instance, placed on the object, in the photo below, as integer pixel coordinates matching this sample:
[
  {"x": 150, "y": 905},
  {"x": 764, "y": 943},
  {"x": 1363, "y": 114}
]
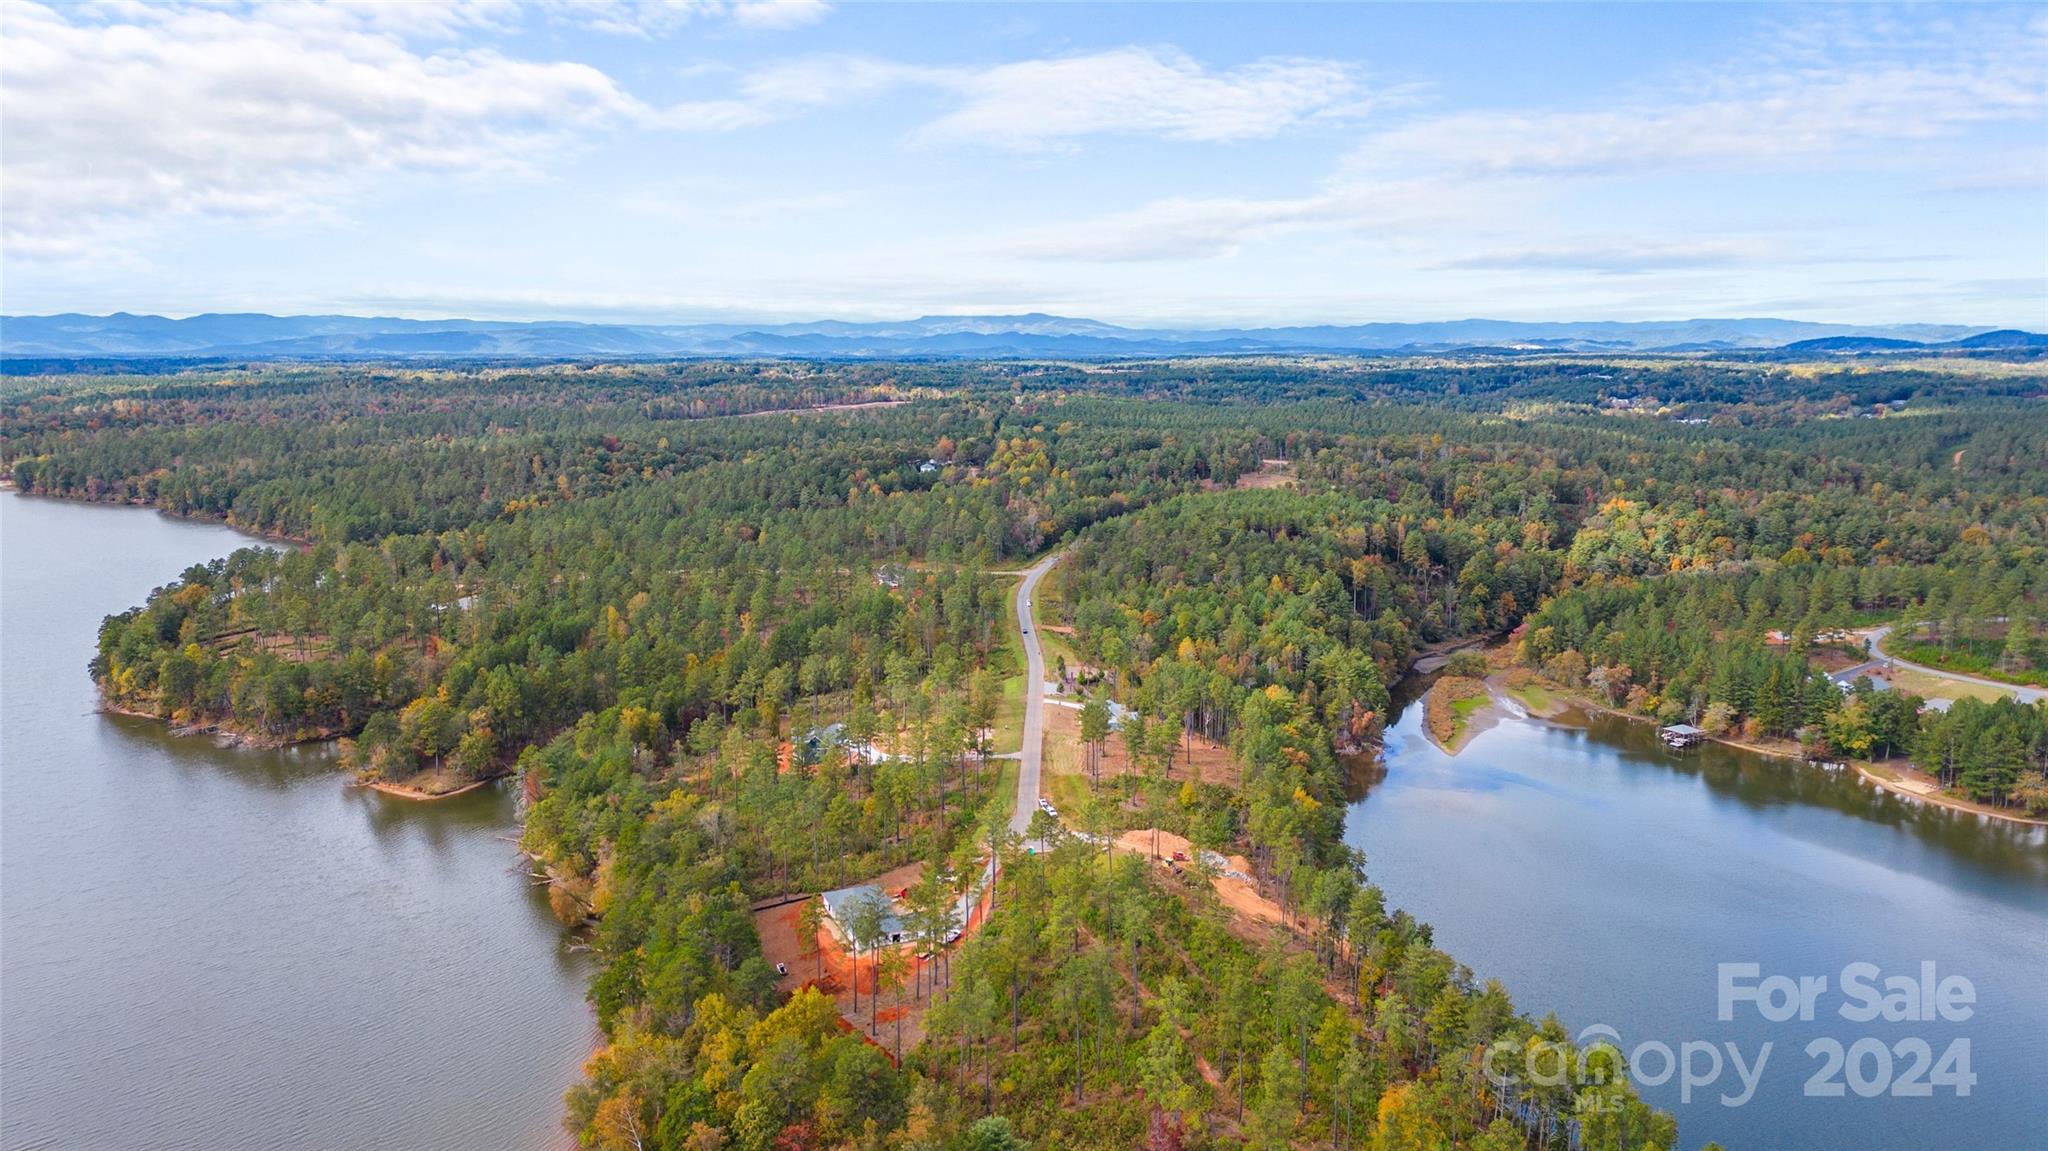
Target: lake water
[
  {"x": 215, "y": 947},
  {"x": 1605, "y": 879}
]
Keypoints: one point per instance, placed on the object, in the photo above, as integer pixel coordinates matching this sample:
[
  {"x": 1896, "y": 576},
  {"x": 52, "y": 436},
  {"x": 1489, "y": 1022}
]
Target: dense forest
[{"x": 640, "y": 588}]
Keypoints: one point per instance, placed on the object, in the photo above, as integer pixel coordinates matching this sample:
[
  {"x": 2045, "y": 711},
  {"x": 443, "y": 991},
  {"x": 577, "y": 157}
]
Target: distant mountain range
[{"x": 258, "y": 336}]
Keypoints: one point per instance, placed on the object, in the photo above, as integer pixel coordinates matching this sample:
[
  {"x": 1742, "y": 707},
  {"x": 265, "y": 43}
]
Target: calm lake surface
[
  {"x": 214, "y": 947},
  {"x": 1600, "y": 877}
]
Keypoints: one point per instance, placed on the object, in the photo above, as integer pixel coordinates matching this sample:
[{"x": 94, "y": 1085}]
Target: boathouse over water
[{"x": 1681, "y": 735}]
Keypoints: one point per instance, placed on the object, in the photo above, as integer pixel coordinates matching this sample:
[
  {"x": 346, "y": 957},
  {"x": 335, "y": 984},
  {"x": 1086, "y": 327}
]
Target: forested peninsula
[{"x": 743, "y": 633}]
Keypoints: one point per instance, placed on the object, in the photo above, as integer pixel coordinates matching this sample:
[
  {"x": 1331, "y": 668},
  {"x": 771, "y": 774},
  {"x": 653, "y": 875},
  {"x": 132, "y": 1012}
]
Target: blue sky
[{"x": 1212, "y": 164}]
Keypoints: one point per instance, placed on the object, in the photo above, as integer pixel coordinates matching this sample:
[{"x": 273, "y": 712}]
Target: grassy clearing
[
  {"x": 1534, "y": 696},
  {"x": 1069, "y": 793},
  {"x": 1057, "y": 647},
  {"x": 1942, "y": 687},
  {"x": 1064, "y": 752},
  {"x": 1271, "y": 474}
]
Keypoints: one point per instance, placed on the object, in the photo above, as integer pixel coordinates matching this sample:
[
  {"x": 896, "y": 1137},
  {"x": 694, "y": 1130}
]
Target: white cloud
[
  {"x": 870, "y": 292},
  {"x": 1872, "y": 99},
  {"x": 120, "y": 117},
  {"x": 1139, "y": 91},
  {"x": 822, "y": 81},
  {"x": 1852, "y": 132},
  {"x": 1996, "y": 172},
  {"x": 1799, "y": 107},
  {"x": 1183, "y": 228},
  {"x": 708, "y": 116},
  {"x": 779, "y": 14},
  {"x": 653, "y": 18},
  {"x": 1641, "y": 256},
  {"x": 112, "y": 123},
  {"x": 1029, "y": 104},
  {"x": 724, "y": 201}
]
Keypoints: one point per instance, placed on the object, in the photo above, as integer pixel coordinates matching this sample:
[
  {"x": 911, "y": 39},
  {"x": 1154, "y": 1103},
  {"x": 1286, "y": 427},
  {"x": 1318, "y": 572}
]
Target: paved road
[
  {"x": 1875, "y": 643},
  {"x": 1034, "y": 698}
]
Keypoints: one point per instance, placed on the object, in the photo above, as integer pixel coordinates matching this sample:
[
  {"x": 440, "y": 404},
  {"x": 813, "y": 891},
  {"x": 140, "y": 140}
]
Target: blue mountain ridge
[{"x": 252, "y": 335}]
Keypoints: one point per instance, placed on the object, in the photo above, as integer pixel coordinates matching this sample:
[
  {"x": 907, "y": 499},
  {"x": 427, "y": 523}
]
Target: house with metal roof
[{"x": 841, "y": 906}]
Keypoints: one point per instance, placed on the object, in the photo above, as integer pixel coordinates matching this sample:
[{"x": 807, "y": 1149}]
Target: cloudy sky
[{"x": 699, "y": 159}]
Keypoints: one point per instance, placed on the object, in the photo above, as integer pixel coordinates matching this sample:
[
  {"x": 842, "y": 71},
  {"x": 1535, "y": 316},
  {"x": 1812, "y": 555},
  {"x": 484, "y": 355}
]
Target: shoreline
[
  {"x": 303, "y": 543},
  {"x": 403, "y": 790},
  {"x": 229, "y": 737},
  {"x": 1905, "y": 789},
  {"x": 1932, "y": 796},
  {"x": 1466, "y": 726},
  {"x": 1572, "y": 699},
  {"x": 281, "y": 849},
  {"x": 219, "y": 731}
]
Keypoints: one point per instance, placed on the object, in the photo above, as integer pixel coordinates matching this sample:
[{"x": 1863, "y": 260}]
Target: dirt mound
[{"x": 1232, "y": 882}]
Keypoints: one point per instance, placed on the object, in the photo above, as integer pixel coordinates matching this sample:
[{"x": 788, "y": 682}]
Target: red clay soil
[
  {"x": 782, "y": 942},
  {"x": 1242, "y": 898}
]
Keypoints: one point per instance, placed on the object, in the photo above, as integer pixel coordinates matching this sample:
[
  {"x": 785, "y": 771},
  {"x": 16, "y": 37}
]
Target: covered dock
[{"x": 1679, "y": 736}]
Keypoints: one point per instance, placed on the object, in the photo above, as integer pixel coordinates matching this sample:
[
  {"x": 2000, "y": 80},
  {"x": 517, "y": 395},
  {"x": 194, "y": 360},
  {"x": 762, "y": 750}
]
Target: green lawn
[
  {"x": 1056, "y": 648},
  {"x": 1535, "y": 697},
  {"x": 1009, "y": 726},
  {"x": 1003, "y": 791},
  {"x": 1069, "y": 793},
  {"x": 1461, "y": 714}
]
